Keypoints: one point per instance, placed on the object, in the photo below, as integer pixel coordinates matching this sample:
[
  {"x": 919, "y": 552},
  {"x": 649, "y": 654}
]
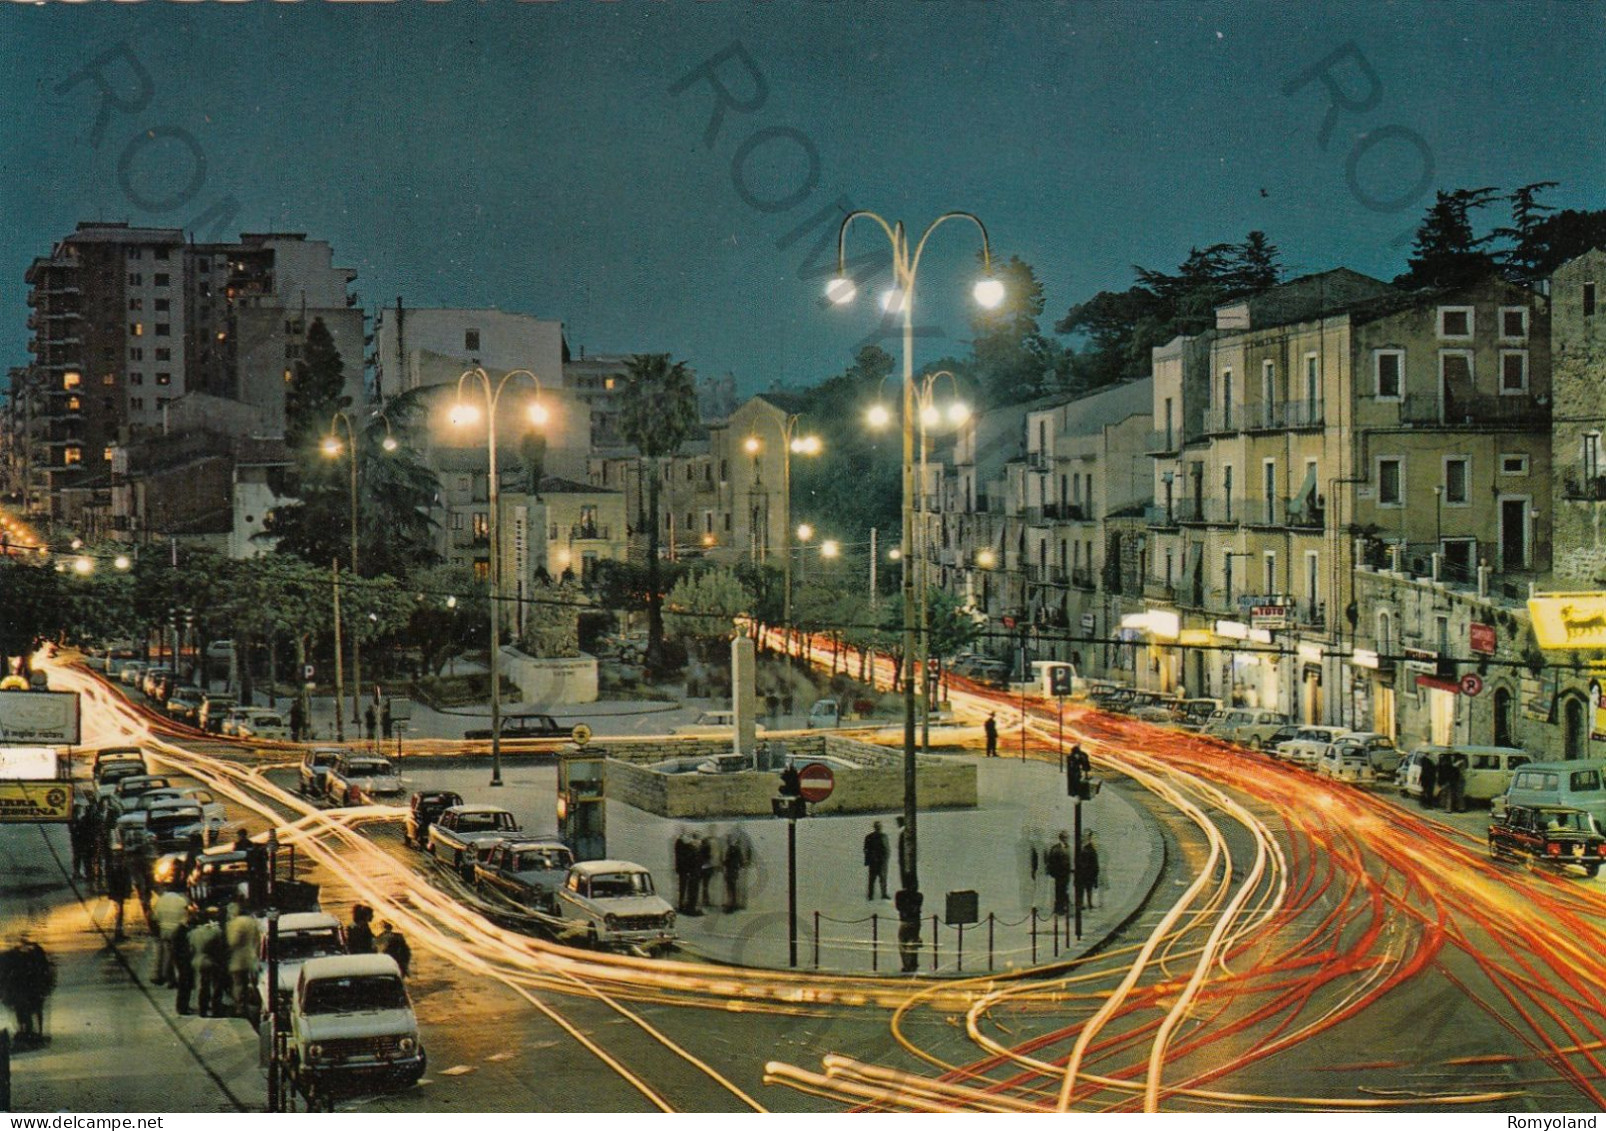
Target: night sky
[{"x": 535, "y": 156}]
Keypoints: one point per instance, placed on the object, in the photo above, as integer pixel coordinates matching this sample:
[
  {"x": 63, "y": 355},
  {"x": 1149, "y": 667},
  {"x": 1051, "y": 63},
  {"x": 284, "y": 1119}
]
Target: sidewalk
[
  {"x": 985, "y": 850},
  {"x": 115, "y": 1041}
]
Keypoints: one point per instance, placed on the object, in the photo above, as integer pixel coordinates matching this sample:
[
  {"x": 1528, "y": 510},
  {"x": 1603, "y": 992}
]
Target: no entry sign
[{"x": 815, "y": 782}]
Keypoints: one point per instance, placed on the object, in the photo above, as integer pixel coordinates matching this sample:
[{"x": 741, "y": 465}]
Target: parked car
[
  {"x": 131, "y": 786},
  {"x": 213, "y": 708},
  {"x": 220, "y": 650},
  {"x": 233, "y": 719},
  {"x": 464, "y": 834},
  {"x": 426, "y": 805},
  {"x": 1489, "y": 769},
  {"x": 110, "y": 755},
  {"x": 527, "y": 872},
  {"x": 1193, "y": 714},
  {"x": 1307, "y": 745},
  {"x": 184, "y": 703},
  {"x": 351, "y": 1028},
  {"x": 1248, "y": 726},
  {"x": 1548, "y": 835},
  {"x": 1285, "y": 733},
  {"x": 824, "y": 714},
  {"x": 356, "y": 779},
  {"x": 214, "y": 816},
  {"x": 1578, "y": 784},
  {"x": 1346, "y": 759},
  {"x": 132, "y": 673},
  {"x": 256, "y": 722},
  {"x": 524, "y": 726},
  {"x": 215, "y": 879},
  {"x": 713, "y": 724},
  {"x": 313, "y": 774},
  {"x": 142, "y": 800},
  {"x": 169, "y": 823},
  {"x": 613, "y": 902},
  {"x": 152, "y": 675},
  {"x": 1381, "y": 753},
  {"x": 303, "y": 935},
  {"x": 107, "y": 776}
]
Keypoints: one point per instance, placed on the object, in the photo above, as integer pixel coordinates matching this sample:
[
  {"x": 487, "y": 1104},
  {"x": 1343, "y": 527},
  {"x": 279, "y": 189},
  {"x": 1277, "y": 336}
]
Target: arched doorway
[
  {"x": 1575, "y": 726},
  {"x": 1502, "y": 717}
]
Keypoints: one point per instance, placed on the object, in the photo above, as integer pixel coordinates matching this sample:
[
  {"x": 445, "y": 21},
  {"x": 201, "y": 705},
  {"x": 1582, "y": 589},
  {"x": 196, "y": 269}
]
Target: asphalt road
[{"x": 1312, "y": 946}]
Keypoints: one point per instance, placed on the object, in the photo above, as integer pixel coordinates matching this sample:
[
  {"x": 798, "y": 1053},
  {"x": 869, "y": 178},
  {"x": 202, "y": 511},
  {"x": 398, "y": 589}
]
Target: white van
[
  {"x": 1578, "y": 784},
  {"x": 1043, "y": 678},
  {"x": 1489, "y": 769},
  {"x": 1248, "y": 726}
]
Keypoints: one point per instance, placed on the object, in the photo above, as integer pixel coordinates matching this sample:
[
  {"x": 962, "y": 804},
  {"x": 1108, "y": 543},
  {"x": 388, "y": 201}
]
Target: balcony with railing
[
  {"x": 1304, "y": 513},
  {"x": 1066, "y": 512},
  {"x": 1223, "y": 420},
  {"x": 1462, "y": 410},
  {"x": 1581, "y": 484},
  {"x": 1167, "y": 441},
  {"x": 1160, "y": 515},
  {"x": 1264, "y": 512}
]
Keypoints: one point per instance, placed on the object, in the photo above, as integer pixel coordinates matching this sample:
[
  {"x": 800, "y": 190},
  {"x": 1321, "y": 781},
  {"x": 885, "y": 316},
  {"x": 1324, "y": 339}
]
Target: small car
[
  {"x": 169, "y": 823},
  {"x": 1347, "y": 759},
  {"x": 132, "y": 673},
  {"x": 184, "y": 703},
  {"x": 113, "y": 755},
  {"x": 258, "y": 723},
  {"x": 426, "y": 805},
  {"x": 527, "y": 872},
  {"x": 524, "y": 726},
  {"x": 613, "y": 902},
  {"x": 107, "y": 777},
  {"x": 313, "y": 773},
  {"x": 1308, "y": 745},
  {"x": 152, "y": 676},
  {"x": 1548, "y": 835},
  {"x": 214, "y": 816},
  {"x": 213, "y": 708},
  {"x": 351, "y": 1028},
  {"x": 303, "y": 935},
  {"x": 824, "y": 714},
  {"x": 355, "y": 778}
]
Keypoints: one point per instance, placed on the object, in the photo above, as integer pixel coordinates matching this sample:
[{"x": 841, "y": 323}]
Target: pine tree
[{"x": 1446, "y": 252}]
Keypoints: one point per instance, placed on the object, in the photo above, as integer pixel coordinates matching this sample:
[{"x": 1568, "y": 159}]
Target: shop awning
[{"x": 1438, "y": 684}]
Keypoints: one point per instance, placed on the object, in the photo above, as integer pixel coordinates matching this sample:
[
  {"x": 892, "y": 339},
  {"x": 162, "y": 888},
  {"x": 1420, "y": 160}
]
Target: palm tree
[{"x": 660, "y": 411}]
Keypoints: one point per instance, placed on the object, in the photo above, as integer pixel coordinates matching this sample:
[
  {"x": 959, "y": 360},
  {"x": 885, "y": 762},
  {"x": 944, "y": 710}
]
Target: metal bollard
[
  {"x": 875, "y": 943},
  {"x": 1034, "y": 936},
  {"x": 816, "y": 940},
  {"x": 934, "y": 944},
  {"x": 989, "y": 941},
  {"x": 959, "y": 951}
]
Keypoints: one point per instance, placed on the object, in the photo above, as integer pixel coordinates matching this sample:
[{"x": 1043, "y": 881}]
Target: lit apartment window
[
  {"x": 1514, "y": 323},
  {"x": 471, "y": 340},
  {"x": 136, "y": 329},
  {"x": 108, "y": 379},
  {"x": 164, "y": 378},
  {"x": 1457, "y": 470},
  {"x": 74, "y": 404},
  {"x": 106, "y": 453},
  {"x": 1390, "y": 482},
  {"x": 71, "y": 379},
  {"x": 1455, "y": 321},
  {"x": 1513, "y": 371},
  {"x": 482, "y": 524},
  {"x": 72, "y": 455},
  {"x": 1389, "y": 367},
  {"x": 607, "y": 382}
]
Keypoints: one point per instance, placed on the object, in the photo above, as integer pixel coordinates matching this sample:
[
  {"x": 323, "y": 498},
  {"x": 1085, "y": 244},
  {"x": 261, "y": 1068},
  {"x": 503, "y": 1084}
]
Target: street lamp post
[
  {"x": 900, "y": 300},
  {"x": 465, "y": 412},
  {"x": 331, "y": 448},
  {"x": 790, "y": 442}
]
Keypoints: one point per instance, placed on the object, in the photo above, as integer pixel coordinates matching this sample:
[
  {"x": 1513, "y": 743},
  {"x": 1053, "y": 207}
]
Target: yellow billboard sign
[
  {"x": 1569, "y": 620},
  {"x": 29, "y": 801}
]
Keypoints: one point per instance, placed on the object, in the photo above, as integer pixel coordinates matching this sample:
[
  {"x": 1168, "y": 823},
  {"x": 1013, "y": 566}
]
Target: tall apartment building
[
  {"x": 127, "y": 320},
  {"x": 1343, "y": 421}
]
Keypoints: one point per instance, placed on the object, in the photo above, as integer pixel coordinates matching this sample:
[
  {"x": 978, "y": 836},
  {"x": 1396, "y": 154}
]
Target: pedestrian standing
[
  {"x": 903, "y": 856},
  {"x": 210, "y": 957},
  {"x": 27, "y": 977},
  {"x": 118, "y": 889},
  {"x": 77, "y": 834},
  {"x": 386, "y": 724},
  {"x": 184, "y": 962},
  {"x": 1429, "y": 779},
  {"x": 990, "y": 729},
  {"x": 705, "y": 870},
  {"x": 876, "y": 853},
  {"x": 1086, "y": 871},
  {"x": 244, "y": 939},
  {"x": 744, "y": 849},
  {"x": 685, "y": 871},
  {"x": 731, "y": 864},
  {"x": 171, "y": 910},
  {"x": 298, "y": 719},
  {"x": 391, "y": 941},
  {"x": 1455, "y": 798},
  {"x": 370, "y": 722},
  {"x": 1059, "y": 870},
  {"x": 360, "y": 935}
]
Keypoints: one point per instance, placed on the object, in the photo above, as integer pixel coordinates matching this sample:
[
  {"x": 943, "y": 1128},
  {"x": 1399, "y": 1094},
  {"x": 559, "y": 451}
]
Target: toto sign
[{"x": 815, "y": 782}]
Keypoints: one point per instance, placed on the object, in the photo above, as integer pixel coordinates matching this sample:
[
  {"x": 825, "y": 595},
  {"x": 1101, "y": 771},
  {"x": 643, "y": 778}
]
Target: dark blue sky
[{"x": 533, "y": 157}]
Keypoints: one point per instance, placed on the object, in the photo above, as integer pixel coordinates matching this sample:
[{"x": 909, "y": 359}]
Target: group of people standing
[
  {"x": 698, "y": 857},
  {"x": 1444, "y": 782}
]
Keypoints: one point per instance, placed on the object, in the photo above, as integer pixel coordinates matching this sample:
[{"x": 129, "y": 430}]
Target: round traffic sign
[
  {"x": 581, "y": 733},
  {"x": 815, "y": 782},
  {"x": 1471, "y": 684}
]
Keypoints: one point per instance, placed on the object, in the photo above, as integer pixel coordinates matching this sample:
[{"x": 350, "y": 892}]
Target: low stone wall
[
  {"x": 568, "y": 680},
  {"x": 874, "y": 784}
]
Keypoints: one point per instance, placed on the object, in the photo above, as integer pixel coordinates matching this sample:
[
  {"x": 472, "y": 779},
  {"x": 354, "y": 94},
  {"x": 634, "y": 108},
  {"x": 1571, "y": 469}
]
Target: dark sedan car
[
  {"x": 426, "y": 805},
  {"x": 1550, "y": 835},
  {"x": 525, "y": 726}
]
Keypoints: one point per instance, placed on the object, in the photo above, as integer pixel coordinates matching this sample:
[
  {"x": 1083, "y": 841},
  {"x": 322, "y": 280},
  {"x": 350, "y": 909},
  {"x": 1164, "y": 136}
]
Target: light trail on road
[{"x": 1309, "y": 911}]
